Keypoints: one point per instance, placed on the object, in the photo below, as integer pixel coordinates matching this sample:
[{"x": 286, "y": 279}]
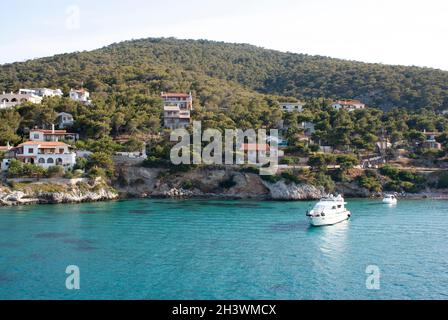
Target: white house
[
  {"x": 175, "y": 118},
  {"x": 42, "y": 92},
  {"x": 65, "y": 120},
  {"x": 46, "y": 154},
  {"x": 81, "y": 95},
  {"x": 9, "y": 100},
  {"x": 292, "y": 106},
  {"x": 52, "y": 135},
  {"x": 349, "y": 105},
  {"x": 308, "y": 127}
]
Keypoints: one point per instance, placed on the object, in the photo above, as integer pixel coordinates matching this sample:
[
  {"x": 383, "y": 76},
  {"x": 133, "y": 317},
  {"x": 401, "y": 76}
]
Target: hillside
[{"x": 216, "y": 70}]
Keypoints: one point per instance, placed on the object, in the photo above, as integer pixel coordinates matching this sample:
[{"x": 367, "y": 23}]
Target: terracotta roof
[
  {"x": 255, "y": 147},
  {"x": 48, "y": 144},
  {"x": 4, "y": 148},
  {"x": 175, "y": 95},
  {"x": 348, "y": 102}
]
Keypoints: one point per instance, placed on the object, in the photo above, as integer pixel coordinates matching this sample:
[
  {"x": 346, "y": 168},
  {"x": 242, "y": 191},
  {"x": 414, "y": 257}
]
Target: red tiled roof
[
  {"x": 43, "y": 144},
  {"x": 175, "y": 95},
  {"x": 4, "y": 148},
  {"x": 255, "y": 147},
  {"x": 348, "y": 102}
]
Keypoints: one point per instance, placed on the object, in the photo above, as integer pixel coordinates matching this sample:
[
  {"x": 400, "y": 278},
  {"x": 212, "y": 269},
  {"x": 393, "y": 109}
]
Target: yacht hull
[{"x": 329, "y": 220}]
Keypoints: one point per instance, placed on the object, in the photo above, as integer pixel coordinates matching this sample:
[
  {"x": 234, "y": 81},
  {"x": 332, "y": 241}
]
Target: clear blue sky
[{"x": 404, "y": 32}]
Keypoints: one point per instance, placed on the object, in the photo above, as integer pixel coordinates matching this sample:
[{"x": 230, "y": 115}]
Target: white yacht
[
  {"x": 329, "y": 211},
  {"x": 390, "y": 199}
]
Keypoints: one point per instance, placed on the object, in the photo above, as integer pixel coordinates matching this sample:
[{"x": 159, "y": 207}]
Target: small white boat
[
  {"x": 329, "y": 211},
  {"x": 390, "y": 199}
]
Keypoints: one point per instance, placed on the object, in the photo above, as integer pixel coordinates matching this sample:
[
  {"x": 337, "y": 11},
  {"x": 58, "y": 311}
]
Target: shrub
[
  {"x": 97, "y": 172},
  {"x": 227, "y": 184},
  {"x": 250, "y": 169},
  {"x": 288, "y": 161},
  {"x": 289, "y": 177},
  {"x": 409, "y": 187},
  {"x": 81, "y": 163},
  {"x": 392, "y": 186},
  {"x": 347, "y": 161},
  {"x": 443, "y": 181},
  {"x": 187, "y": 185},
  {"x": 371, "y": 183},
  {"x": 103, "y": 161},
  {"x": 390, "y": 172},
  {"x": 271, "y": 178},
  {"x": 323, "y": 180},
  {"x": 55, "y": 172},
  {"x": 154, "y": 162}
]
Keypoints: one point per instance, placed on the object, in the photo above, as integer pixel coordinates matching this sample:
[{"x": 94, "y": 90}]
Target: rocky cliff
[
  {"x": 44, "y": 192},
  {"x": 137, "y": 181}
]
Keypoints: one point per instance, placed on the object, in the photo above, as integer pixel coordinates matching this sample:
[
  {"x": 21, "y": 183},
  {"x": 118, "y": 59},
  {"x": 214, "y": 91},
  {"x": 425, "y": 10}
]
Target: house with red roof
[{"x": 349, "y": 105}]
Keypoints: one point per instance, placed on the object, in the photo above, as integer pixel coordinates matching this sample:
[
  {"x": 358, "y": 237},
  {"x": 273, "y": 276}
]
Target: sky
[{"x": 405, "y": 32}]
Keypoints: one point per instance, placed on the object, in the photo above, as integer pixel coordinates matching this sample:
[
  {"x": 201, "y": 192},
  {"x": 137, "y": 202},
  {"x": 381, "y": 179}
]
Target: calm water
[{"x": 157, "y": 249}]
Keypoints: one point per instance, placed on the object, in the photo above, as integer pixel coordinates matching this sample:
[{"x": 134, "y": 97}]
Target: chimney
[{"x": 52, "y": 128}]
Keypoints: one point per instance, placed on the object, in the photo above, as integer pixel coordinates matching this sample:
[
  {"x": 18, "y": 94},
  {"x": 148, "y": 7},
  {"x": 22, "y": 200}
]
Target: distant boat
[
  {"x": 390, "y": 199},
  {"x": 328, "y": 211}
]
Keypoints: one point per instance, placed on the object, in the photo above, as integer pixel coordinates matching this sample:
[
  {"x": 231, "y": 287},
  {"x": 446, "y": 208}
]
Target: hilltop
[{"x": 217, "y": 70}]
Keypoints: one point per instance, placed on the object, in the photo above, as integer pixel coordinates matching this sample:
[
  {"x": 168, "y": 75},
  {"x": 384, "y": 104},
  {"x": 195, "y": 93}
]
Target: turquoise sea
[{"x": 210, "y": 249}]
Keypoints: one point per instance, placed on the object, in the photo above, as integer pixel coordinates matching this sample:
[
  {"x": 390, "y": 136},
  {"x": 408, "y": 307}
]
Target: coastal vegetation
[{"x": 238, "y": 86}]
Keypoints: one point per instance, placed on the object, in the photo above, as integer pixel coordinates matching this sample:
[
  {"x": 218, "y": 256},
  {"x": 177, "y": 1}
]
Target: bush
[
  {"x": 323, "y": 180},
  {"x": 96, "y": 172},
  {"x": 81, "y": 163},
  {"x": 288, "y": 161},
  {"x": 250, "y": 169},
  {"x": 443, "y": 181},
  {"x": 392, "y": 186},
  {"x": 227, "y": 184},
  {"x": 347, "y": 161},
  {"x": 271, "y": 178},
  {"x": 409, "y": 187},
  {"x": 154, "y": 162},
  {"x": 103, "y": 161},
  {"x": 18, "y": 169},
  {"x": 390, "y": 172},
  {"x": 187, "y": 185},
  {"x": 371, "y": 183},
  {"x": 55, "y": 172},
  {"x": 289, "y": 177}
]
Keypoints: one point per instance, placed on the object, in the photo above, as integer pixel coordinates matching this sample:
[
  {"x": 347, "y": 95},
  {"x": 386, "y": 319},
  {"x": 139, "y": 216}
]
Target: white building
[
  {"x": 175, "y": 118},
  {"x": 292, "y": 106},
  {"x": 46, "y": 154},
  {"x": 65, "y": 120},
  {"x": 177, "y": 110},
  {"x": 81, "y": 95},
  {"x": 349, "y": 105},
  {"x": 52, "y": 135},
  {"x": 309, "y": 128},
  {"x": 42, "y": 92},
  {"x": 9, "y": 100}
]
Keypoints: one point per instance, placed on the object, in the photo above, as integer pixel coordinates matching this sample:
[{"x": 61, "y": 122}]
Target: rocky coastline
[{"x": 140, "y": 182}]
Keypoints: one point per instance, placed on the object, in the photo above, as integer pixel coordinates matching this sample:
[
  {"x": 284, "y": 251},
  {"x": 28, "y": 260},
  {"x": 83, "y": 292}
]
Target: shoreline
[{"x": 33, "y": 202}]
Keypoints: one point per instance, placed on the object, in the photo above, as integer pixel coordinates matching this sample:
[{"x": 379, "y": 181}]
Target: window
[
  {"x": 50, "y": 160},
  {"x": 61, "y": 150},
  {"x": 30, "y": 150},
  {"x": 36, "y": 136},
  {"x": 41, "y": 160}
]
